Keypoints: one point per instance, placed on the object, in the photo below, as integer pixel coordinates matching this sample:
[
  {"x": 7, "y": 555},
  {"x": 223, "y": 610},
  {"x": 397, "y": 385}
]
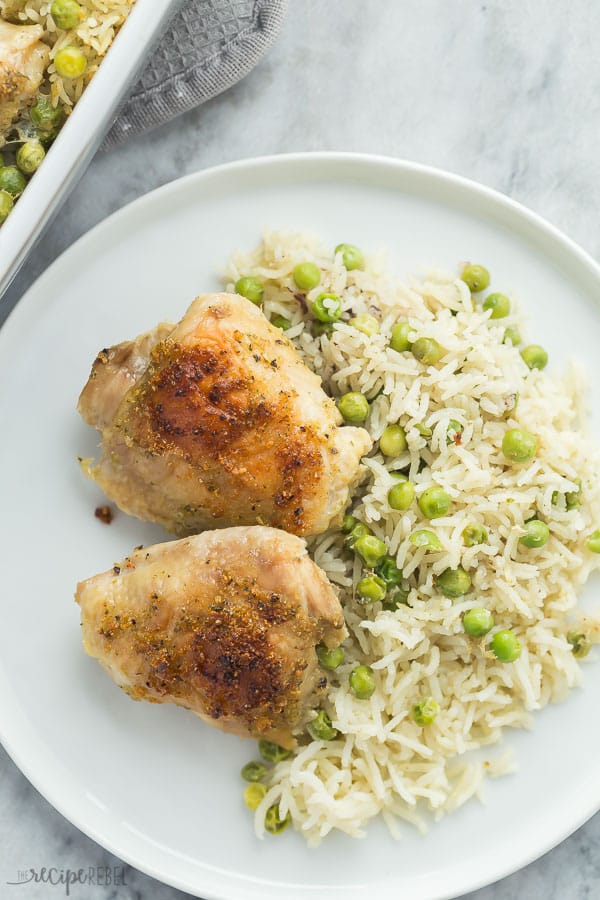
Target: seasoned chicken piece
[
  {"x": 224, "y": 623},
  {"x": 220, "y": 423},
  {"x": 23, "y": 59},
  {"x": 115, "y": 370}
]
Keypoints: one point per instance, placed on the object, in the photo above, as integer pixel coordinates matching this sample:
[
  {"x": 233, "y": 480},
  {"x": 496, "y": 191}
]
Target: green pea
[
  {"x": 389, "y": 571},
  {"x": 393, "y": 440},
  {"x": 593, "y": 542},
  {"x": 307, "y": 276},
  {"x": 272, "y": 752},
  {"x": 499, "y": 305},
  {"x": 534, "y": 356},
  {"x": 320, "y": 728},
  {"x": 365, "y": 323},
  {"x": 424, "y": 430},
  {"x": 70, "y": 62},
  {"x": 454, "y": 432},
  {"x": 354, "y": 407},
  {"x": 362, "y": 682},
  {"x": 12, "y": 181},
  {"x": 330, "y": 659},
  {"x": 425, "y": 538},
  {"x": 580, "y": 644},
  {"x": 320, "y": 328},
  {"x": 254, "y": 794},
  {"x": 474, "y": 534},
  {"x": 536, "y": 534},
  {"x": 506, "y": 646},
  {"x": 426, "y": 711},
  {"x": 46, "y": 117},
  {"x": 397, "y": 598},
  {"x": 352, "y": 256},
  {"x": 427, "y": 350},
  {"x": 30, "y": 156},
  {"x": 511, "y": 336},
  {"x": 400, "y": 496},
  {"x": 251, "y": 288},
  {"x": 477, "y": 278},
  {"x": 6, "y": 205},
  {"x": 327, "y": 308},
  {"x": 371, "y": 588},
  {"x": 519, "y": 445},
  {"x": 254, "y": 771},
  {"x": 67, "y": 14},
  {"x": 371, "y": 549},
  {"x": 453, "y": 582},
  {"x": 359, "y": 530},
  {"x": 478, "y": 621},
  {"x": 401, "y": 337},
  {"x": 348, "y": 523},
  {"x": 274, "y": 824},
  {"x": 281, "y": 322},
  {"x": 434, "y": 502}
]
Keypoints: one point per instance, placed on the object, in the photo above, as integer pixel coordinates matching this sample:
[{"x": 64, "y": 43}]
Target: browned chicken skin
[
  {"x": 23, "y": 59},
  {"x": 224, "y": 623},
  {"x": 216, "y": 422}
]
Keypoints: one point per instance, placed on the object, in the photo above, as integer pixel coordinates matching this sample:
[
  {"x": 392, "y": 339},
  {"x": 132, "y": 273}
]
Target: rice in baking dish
[
  {"x": 454, "y": 414},
  {"x": 100, "y": 20},
  {"x": 49, "y": 51}
]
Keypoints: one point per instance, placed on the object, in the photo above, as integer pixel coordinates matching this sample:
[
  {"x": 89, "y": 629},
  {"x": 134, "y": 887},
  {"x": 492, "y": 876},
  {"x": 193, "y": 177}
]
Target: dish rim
[{"x": 229, "y": 885}]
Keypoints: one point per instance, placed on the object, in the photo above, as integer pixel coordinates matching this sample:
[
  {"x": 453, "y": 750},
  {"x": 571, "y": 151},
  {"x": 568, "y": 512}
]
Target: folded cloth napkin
[{"x": 210, "y": 44}]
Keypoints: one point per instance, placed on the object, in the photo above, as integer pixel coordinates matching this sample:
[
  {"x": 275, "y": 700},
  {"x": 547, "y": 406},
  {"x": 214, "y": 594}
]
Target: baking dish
[{"x": 82, "y": 133}]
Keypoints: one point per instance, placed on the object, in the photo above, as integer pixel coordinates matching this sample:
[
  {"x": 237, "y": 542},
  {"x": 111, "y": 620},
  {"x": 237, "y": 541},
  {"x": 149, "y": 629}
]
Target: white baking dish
[{"x": 81, "y": 134}]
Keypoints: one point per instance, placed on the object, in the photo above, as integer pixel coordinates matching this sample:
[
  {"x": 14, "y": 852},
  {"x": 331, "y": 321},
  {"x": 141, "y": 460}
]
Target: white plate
[{"x": 152, "y": 783}]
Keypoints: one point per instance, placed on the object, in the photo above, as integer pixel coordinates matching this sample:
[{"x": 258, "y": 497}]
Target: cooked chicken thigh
[
  {"x": 224, "y": 623},
  {"x": 23, "y": 58},
  {"x": 219, "y": 422}
]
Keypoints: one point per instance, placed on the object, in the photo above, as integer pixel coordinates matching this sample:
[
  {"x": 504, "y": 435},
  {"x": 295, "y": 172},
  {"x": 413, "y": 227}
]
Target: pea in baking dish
[{"x": 53, "y": 114}]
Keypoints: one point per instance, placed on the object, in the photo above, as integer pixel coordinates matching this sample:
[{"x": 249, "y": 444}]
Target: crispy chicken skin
[
  {"x": 224, "y": 623},
  {"x": 218, "y": 423},
  {"x": 23, "y": 58}
]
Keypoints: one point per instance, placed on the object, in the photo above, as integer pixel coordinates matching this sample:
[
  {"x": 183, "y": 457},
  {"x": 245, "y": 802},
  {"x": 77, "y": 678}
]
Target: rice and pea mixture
[
  {"x": 78, "y": 34},
  {"x": 462, "y": 550},
  {"x": 86, "y": 26}
]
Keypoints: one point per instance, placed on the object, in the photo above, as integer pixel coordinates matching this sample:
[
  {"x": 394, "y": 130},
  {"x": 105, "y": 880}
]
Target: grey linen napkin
[{"x": 210, "y": 44}]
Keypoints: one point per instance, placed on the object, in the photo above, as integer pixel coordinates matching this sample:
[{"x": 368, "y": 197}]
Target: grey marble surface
[{"x": 505, "y": 92}]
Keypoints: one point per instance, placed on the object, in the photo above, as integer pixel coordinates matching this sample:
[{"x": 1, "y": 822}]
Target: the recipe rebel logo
[{"x": 102, "y": 876}]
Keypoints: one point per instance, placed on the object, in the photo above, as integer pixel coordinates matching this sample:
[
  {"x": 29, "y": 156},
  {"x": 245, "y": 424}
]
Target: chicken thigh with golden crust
[
  {"x": 224, "y": 623},
  {"x": 217, "y": 421}
]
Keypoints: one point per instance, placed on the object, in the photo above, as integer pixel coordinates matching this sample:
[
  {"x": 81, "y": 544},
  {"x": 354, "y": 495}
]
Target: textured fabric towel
[{"x": 209, "y": 46}]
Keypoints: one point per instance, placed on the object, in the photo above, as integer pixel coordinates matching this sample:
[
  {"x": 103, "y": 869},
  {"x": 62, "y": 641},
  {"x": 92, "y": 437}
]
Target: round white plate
[{"x": 152, "y": 783}]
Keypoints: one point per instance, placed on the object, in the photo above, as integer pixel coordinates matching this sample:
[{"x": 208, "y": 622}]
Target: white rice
[{"x": 382, "y": 761}]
